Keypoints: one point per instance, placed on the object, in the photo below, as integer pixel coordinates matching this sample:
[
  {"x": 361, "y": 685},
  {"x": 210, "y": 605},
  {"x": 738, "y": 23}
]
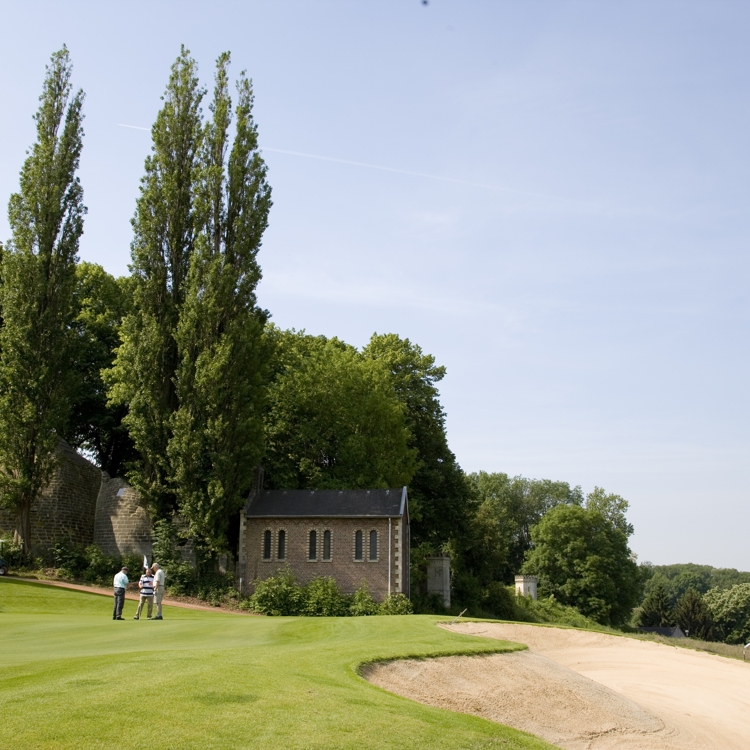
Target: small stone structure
[
  {"x": 122, "y": 524},
  {"x": 350, "y": 535},
  {"x": 65, "y": 509},
  {"x": 526, "y": 586},
  {"x": 439, "y": 577}
]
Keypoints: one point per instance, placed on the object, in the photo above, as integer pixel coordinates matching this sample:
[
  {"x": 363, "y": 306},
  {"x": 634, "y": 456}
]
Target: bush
[
  {"x": 396, "y": 604},
  {"x": 500, "y": 600},
  {"x": 181, "y": 578},
  {"x": 100, "y": 568},
  {"x": 322, "y": 598},
  {"x": 13, "y": 553},
  {"x": 278, "y": 595},
  {"x": 362, "y": 603},
  {"x": 70, "y": 559}
]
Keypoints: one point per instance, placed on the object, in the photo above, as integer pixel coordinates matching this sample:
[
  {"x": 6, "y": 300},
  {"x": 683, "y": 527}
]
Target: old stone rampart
[
  {"x": 66, "y": 507},
  {"x": 84, "y": 505},
  {"x": 122, "y": 524}
]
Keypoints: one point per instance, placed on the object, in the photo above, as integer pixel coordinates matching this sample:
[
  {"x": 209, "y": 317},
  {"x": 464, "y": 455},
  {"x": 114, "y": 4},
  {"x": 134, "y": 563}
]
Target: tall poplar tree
[
  {"x": 143, "y": 374},
  {"x": 217, "y": 428},
  {"x": 38, "y": 273}
]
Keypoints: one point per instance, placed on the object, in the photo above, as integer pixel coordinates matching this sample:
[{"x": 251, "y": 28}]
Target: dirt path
[
  {"x": 588, "y": 691},
  {"x": 128, "y": 595}
]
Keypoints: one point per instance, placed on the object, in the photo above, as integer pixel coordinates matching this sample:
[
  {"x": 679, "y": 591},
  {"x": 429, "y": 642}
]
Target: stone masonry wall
[
  {"x": 347, "y": 572},
  {"x": 122, "y": 524},
  {"x": 66, "y": 507}
]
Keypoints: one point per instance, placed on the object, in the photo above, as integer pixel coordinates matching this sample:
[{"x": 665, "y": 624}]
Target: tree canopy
[
  {"x": 36, "y": 296},
  {"x": 333, "y": 419},
  {"x": 582, "y": 559}
]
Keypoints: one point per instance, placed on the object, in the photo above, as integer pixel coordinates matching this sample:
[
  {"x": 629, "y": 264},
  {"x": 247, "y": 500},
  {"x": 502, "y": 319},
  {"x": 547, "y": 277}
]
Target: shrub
[
  {"x": 100, "y": 568},
  {"x": 13, "y": 553},
  {"x": 322, "y": 598},
  {"x": 278, "y": 595},
  {"x": 181, "y": 578},
  {"x": 500, "y": 600},
  {"x": 70, "y": 559},
  {"x": 362, "y": 603},
  {"x": 396, "y": 604}
]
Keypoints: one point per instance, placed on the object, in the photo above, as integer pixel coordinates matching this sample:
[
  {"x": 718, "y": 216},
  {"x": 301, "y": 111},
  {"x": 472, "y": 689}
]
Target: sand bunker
[{"x": 587, "y": 691}]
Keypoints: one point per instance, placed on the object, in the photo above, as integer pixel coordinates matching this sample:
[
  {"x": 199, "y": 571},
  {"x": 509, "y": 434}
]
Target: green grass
[{"x": 71, "y": 677}]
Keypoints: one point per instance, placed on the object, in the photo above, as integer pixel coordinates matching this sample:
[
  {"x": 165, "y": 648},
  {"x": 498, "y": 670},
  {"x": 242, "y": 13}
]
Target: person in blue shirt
[
  {"x": 146, "y": 585},
  {"x": 120, "y": 584}
]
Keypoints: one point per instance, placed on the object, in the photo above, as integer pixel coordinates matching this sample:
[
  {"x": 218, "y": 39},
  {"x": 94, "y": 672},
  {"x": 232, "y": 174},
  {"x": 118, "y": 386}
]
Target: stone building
[{"x": 350, "y": 535}]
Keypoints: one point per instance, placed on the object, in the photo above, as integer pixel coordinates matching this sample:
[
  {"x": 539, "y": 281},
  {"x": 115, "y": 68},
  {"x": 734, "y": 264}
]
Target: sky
[{"x": 549, "y": 197}]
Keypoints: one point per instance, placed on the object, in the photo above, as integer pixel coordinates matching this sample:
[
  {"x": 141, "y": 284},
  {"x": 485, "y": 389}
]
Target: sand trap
[{"x": 588, "y": 691}]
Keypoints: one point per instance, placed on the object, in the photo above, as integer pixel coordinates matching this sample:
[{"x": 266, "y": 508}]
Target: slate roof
[{"x": 327, "y": 503}]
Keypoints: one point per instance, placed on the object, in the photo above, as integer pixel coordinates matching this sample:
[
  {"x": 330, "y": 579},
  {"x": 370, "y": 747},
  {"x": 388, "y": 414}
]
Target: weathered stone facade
[
  {"x": 342, "y": 565},
  {"x": 386, "y": 570},
  {"x": 122, "y": 524},
  {"x": 66, "y": 507}
]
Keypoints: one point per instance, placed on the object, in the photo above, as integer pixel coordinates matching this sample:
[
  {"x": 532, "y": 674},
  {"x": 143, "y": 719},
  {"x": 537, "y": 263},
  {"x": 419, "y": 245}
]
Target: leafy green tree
[
  {"x": 583, "y": 560},
  {"x": 38, "y": 273},
  {"x": 693, "y": 616},
  {"x": 657, "y": 610},
  {"x": 217, "y": 426},
  {"x": 332, "y": 419},
  {"x": 143, "y": 374},
  {"x": 509, "y": 508},
  {"x": 730, "y": 610},
  {"x": 101, "y": 302},
  {"x": 440, "y": 501},
  {"x": 612, "y": 507}
]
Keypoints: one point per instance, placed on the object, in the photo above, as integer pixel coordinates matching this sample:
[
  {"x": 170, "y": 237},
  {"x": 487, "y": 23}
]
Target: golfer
[
  {"x": 120, "y": 584},
  {"x": 158, "y": 588},
  {"x": 146, "y": 585}
]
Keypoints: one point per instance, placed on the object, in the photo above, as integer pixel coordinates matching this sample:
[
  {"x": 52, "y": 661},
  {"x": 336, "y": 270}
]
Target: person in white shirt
[
  {"x": 120, "y": 584},
  {"x": 158, "y": 588}
]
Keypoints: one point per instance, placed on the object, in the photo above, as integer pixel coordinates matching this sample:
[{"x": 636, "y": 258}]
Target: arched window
[
  {"x": 282, "y": 545},
  {"x": 267, "y": 544},
  {"x": 312, "y": 552},
  {"x": 358, "y": 552},
  {"x": 326, "y": 545},
  {"x": 373, "y": 545}
]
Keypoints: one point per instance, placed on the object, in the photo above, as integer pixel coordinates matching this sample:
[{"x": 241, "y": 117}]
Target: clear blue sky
[{"x": 584, "y": 275}]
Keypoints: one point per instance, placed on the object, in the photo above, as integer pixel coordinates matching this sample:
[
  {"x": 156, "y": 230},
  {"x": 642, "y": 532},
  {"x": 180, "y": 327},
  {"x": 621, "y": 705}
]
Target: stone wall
[
  {"x": 66, "y": 507},
  {"x": 122, "y": 524},
  {"x": 342, "y": 566}
]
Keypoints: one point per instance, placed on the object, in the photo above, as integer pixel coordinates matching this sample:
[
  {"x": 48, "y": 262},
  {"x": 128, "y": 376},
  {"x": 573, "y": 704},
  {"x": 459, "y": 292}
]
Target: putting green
[{"x": 71, "y": 677}]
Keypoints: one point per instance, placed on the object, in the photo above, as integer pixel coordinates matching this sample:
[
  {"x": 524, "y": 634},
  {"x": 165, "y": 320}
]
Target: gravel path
[{"x": 587, "y": 691}]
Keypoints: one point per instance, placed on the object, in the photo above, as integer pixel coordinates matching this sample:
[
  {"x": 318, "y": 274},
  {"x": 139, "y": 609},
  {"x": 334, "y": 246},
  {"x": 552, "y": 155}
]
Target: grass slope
[{"x": 72, "y": 677}]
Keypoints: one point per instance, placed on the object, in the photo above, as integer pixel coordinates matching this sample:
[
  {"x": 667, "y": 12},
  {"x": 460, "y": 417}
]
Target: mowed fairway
[{"x": 73, "y": 677}]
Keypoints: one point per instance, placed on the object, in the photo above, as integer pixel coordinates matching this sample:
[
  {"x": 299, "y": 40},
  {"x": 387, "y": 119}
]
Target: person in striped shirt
[{"x": 146, "y": 585}]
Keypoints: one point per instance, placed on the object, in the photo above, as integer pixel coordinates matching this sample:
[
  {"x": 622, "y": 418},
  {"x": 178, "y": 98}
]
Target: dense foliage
[
  {"x": 282, "y": 595},
  {"x": 191, "y": 363},
  {"x": 38, "y": 279},
  {"x": 333, "y": 420},
  {"x": 582, "y": 559}
]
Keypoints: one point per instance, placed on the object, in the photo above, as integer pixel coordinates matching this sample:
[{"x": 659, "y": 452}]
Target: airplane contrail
[{"x": 367, "y": 165}]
